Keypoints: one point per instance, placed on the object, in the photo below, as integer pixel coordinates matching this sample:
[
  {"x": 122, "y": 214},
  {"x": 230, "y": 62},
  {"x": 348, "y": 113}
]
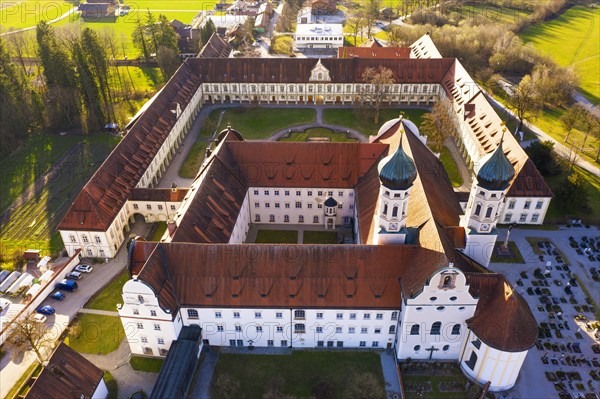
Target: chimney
[{"x": 171, "y": 227}]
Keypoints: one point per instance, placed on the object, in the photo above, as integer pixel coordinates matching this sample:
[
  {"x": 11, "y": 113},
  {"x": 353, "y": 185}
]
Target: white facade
[
  {"x": 149, "y": 329},
  {"x": 436, "y": 318},
  {"x": 101, "y": 391},
  {"x": 310, "y": 36},
  {"x": 483, "y": 363}
]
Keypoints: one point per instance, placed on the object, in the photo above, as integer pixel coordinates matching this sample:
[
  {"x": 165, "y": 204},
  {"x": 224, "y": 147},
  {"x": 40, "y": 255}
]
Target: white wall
[
  {"x": 537, "y": 206},
  {"x": 267, "y": 201},
  {"x": 146, "y": 325},
  {"x": 425, "y": 309},
  {"x": 101, "y": 391},
  {"x": 501, "y": 368},
  {"x": 242, "y": 224}
]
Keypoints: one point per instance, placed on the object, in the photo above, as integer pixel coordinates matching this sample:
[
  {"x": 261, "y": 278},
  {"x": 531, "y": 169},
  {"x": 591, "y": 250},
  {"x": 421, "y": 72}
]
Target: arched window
[
  {"x": 394, "y": 315},
  {"x": 414, "y": 330},
  {"x": 447, "y": 281},
  {"x": 299, "y": 328},
  {"x": 320, "y": 76},
  {"x": 192, "y": 313},
  {"x": 456, "y": 329},
  {"x": 477, "y": 209},
  {"x": 436, "y": 327},
  {"x": 392, "y": 329},
  {"x": 395, "y": 211},
  {"x": 385, "y": 209},
  {"x": 488, "y": 213}
]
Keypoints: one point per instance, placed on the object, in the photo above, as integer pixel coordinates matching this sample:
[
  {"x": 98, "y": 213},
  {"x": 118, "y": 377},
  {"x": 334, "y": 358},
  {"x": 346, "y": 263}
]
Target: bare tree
[
  {"x": 524, "y": 101},
  {"x": 29, "y": 334},
  {"x": 356, "y": 25},
  {"x": 571, "y": 119},
  {"x": 438, "y": 124},
  {"x": 377, "y": 89}
]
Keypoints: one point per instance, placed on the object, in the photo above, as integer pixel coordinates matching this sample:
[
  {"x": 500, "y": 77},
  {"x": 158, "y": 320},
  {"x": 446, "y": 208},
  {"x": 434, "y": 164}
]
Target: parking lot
[{"x": 558, "y": 282}]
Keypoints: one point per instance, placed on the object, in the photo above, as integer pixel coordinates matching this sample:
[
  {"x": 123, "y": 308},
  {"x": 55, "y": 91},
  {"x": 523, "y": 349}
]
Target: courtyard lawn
[
  {"x": 161, "y": 227},
  {"x": 190, "y": 167},
  {"x": 277, "y": 237},
  {"x": 356, "y": 119},
  {"x": 261, "y": 123},
  {"x": 96, "y": 334},
  {"x": 433, "y": 382},
  {"x": 319, "y": 132},
  {"x": 320, "y": 237},
  {"x": 515, "y": 256},
  {"x": 111, "y": 385},
  {"x": 451, "y": 168},
  {"x": 147, "y": 364},
  {"x": 296, "y": 374},
  {"x": 576, "y": 32},
  {"x": 110, "y": 295}
]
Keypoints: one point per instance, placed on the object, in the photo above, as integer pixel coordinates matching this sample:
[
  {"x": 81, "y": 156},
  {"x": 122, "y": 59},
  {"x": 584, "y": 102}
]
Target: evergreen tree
[
  {"x": 206, "y": 32},
  {"x": 97, "y": 60},
  {"x": 140, "y": 39},
  {"x": 94, "y": 118}
]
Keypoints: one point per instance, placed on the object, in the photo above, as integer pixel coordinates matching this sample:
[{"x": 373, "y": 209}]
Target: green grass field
[
  {"x": 277, "y": 237},
  {"x": 260, "y": 123},
  {"x": 320, "y": 237},
  {"x": 161, "y": 227},
  {"x": 451, "y": 168},
  {"x": 319, "y": 132},
  {"x": 149, "y": 365},
  {"x": 98, "y": 334},
  {"x": 365, "y": 123},
  {"x": 110, "y": 296},
  {"x": 572, "y": 39},
  {"x": 191, "y": 165},
  {"x": 296, "y": 374},
  {"x": 22, "y": 14}
]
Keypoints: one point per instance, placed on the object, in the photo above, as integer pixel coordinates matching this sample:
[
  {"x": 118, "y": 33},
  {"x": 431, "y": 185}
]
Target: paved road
[
  {"x": 65, "y": 15},
  {"x": 558, "y": 146},
  {"x": 390, "y": 373},
  {"x": 12, "y": 368}
]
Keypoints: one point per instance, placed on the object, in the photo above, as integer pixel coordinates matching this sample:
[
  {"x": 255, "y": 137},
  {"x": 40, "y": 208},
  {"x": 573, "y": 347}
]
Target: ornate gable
[{"x": 319, "y": 73}]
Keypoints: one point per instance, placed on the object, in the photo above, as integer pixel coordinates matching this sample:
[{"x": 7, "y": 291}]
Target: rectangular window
[
  {"x": 523, "y": 218},
  {"x": 278, "y": 315},
  {"x": 309, "y": 193},
  {"x": 218, "y": 315},
  {"x": 379, "y": 316},
  {"x": 287, "y": 192},
  {"x": 319, "y": 193},
  {"x": 351, "y": 330},
  {"x": 257, "y": 205},
  {"x": 301, "y": 219},
  {"x": 160, "y": 341},
  {"x": 284, "y": 342},
  {"x": 339, "y": 316},
  {"x": 352, "y": 316},
  {"x": 140, "y": 326},
  {"x": 153, "y": 313},
  {"x": 266, "y": 192},
  {"x": 220, "y": 328},
  {"x": 309, "y": 206},
  {"x": 298, "y": 205},
  {"x": 149, "y": 207},
  {"x": 267, "y": 205},
  {"x": 257, "y": 218},
  {"x": 511, "y": 204},
  {"x": 276, "y": 192},
  {"x": 298, "y": 193},
  {"x": 534, "y": 217},
  {"x": 272, "y": 218},
  {"x": 340, "y": 193},
  {"x": 338, "y": 330},
  {"x": 507, "y": 217},
  {"x": 527, "y": 205},
  {"x": 270, "y": 342},
  {"x": 160, "y": 207},
  {"x": 238, "y": 328},
  {"x": 367, "y": 316},
  {"x": 351, "y": 206},
  {"x": 279, "y": 329},
  {"x": 173, "y": 207},
  {"x": 319, "y": 315},
  {"x": 319, "y": 330},
  {"x": 286, "y": 218},
  {"x": 277, "y": 205},
  {"x": 135, "y": 206},
  {"x": 539, "y": 205},
  {"x": 255, "y": 192},
  {"x": 315, "y": 219},
  {"x": 299, "y": 314},
  {"x": 320, "y": 206},
  {"x": 144, "y": 340},
  {"x": 287, "y": 206},
  {"x": 236, "y": 315},
  {"x": 378, "y": 331},
  {"x": 257, "y": 315},
  {"x": 73, "y": 239},
  {"x": 364, "y": 330},
  {"x": 340, "y": 206},
  {"x": 258, "y": 328},
  {"x": 157, "y": 327},
  {"x": 375, "y": 344}
]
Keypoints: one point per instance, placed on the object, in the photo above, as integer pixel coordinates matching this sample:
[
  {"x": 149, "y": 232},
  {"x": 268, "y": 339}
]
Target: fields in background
[{"x": 572, "y": 39}]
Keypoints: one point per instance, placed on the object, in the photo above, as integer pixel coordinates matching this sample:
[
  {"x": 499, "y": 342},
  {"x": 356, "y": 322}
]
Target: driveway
[{"x": 12, "y": 369}]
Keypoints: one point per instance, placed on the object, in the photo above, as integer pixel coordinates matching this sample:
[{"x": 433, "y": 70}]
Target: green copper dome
[
  {"x": 399, "y": 172},
  {"x": 497, "y": 172}
]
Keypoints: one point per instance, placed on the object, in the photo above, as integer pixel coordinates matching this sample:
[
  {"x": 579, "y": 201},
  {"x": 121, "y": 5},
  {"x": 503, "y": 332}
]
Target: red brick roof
[
  {"x": 158, "y": 194},
  {"x": 374, "y": 52},
  {"x": 106, "y": 192},
  {"x": 68, "y": 375},
  {"x": 502, "y": 319}
]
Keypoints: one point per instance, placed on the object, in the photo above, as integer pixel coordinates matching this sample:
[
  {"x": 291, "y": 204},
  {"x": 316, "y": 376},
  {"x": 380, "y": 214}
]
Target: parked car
[
  {"x": 67, "y": 285},
  {"x": 59, "y": 296},
  {"x": 84, "y": 268},
  {"x": 74, "y": 276},
  {"x": 39, "y": 318},
  {"x": 46, "y": 309}
]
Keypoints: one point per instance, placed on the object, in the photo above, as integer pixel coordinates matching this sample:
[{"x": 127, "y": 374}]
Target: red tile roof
[
  {"x": 374, "y": 52},
  {"x": 502, "y": 319},
  {"x": 258, "y": 275},
  {"x": 68, "y": 375},
  {"x": 158, "y": 194},
  {"x": 106, "y": 192}
]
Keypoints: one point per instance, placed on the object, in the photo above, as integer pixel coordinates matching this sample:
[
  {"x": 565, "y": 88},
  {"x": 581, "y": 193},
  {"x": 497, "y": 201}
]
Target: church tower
[
  {"x": 396, "y": 174},
  {"x": 483, "y": 208}
]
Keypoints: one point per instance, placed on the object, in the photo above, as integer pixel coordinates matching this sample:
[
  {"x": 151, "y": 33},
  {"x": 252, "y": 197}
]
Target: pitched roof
[
  {"x": 295, "y": 70},
  {"x": 502, "y": 319},
  {"x": 215, "y": 47},
  {"x": 424, "y": 48},
  {"x": 372, "y": 42},
  {"x": 103, "y": 196},
  {"x": 68, "y": 375},
  {"x": 158, "y": 194},
  {"x": 374, "y": 52},
  {"x": 270, "y": 275}
]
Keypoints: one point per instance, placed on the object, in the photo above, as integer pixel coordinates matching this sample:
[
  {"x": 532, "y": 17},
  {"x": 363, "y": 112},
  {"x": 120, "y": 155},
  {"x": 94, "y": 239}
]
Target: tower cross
[{"x": 431, "y": 350}]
